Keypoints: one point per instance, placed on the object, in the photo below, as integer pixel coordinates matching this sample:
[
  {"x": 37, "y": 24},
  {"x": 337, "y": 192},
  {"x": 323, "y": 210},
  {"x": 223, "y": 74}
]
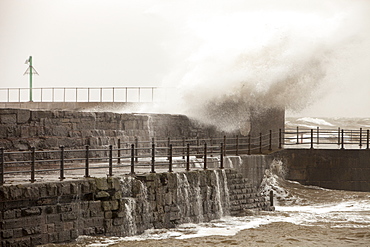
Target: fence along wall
[{"x": 21, "y": 129}]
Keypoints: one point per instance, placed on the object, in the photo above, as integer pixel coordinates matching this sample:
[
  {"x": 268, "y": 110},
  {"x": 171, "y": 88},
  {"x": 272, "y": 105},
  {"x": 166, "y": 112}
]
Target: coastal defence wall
[
  {"x": 34, "y": 214},
  {"x": 21, "y": 129},
  {"x": 342, "y": 169}
]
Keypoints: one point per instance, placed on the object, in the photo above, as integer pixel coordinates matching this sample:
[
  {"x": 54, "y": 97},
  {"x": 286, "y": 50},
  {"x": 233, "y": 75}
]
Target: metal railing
[
  {"x": 154, "y": 154},
  {"x": 329, "y": 138},
  {"x": 84, "y": 94},
  {"x": 147, "y": 155}
]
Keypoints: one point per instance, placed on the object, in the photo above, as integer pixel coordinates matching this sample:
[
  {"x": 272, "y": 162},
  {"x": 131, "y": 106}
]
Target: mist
[
  {"x": 219, "y": 59},
  {"x": 287, "y": 55}
]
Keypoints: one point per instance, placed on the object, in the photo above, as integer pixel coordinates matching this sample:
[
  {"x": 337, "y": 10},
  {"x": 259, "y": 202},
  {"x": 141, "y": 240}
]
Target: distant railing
[
  {"x": 84, "y": 94},
  {"x": 152, "y": 154},
  {"x": 316, "y": 138}
]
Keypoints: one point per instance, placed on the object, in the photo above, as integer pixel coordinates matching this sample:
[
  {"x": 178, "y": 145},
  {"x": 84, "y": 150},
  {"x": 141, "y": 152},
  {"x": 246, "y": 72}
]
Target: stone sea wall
[
  {"x": 58, "y": 212},
  {"x": 20, "y": 129}
]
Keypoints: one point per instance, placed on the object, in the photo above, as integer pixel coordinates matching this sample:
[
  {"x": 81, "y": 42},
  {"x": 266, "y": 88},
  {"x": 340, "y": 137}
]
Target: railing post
[
  {"x": 113, "y": 94},
  {"x": 237, "y": 145},
  {"x": 110, "y": 161},
  {"x": 136, "y": 149},
  {"x": 153, "y": 159},
  {"x": 119, "y": 151},
  {"x": 87, "y": 162},
  {"x": 338, "y": 136},
  {"x": 297, "y": 134},
  {"x": 188, "y": 157},
  {"x": 32, "y": 164},
  {"x": 211, "y": 145},
  {"x": 61, "y": 176},
  {"x": 311, "y": 138},
  {"x": 132, "y": 159},
  {"x": 170, "y": 159},
  {"x": 367, "y": 139},
  {"x": 225, "y": 145},
  {"x": 260, "y": 143},
  {"x": 221, "y": 156},
  {"x": 271, "y": 198},
  {"x": 270, "y": 142},
  {"x": 2, "y": 161},
  {"x": 318, "y": 136},
  {"x": 280, "y": 137},
  {"x": 168, "y": 146},
  {"x": 342, "y": 138},
  {"x": 205, "y": 156},
  {"x": 183, "y": 149},
  {"x": 249, "y": 144},
  {"x": 360, "y": 138}
]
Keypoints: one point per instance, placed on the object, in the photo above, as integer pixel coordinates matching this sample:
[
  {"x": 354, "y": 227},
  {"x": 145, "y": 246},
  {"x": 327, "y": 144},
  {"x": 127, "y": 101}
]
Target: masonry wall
[
  {"x": 342, "y": 169},
  {"x": 34, "y": 214},
  {"x": 21, "y": 129},
  {"x": 48, "y": 129}
]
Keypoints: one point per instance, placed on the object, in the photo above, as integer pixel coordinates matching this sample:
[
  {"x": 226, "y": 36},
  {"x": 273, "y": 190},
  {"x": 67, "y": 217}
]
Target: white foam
[{"x": 317, "y": 121}]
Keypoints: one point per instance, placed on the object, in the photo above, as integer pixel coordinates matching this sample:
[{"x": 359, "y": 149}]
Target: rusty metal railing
[
  {"x": 147, "y": 155},
  {"x": 150, "y": 155}
]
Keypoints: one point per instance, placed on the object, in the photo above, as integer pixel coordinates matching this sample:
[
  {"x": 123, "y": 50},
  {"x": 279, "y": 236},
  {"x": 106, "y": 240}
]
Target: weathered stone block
[
  {"x": 69, "y": 216},
  {"x": 53, "y": 218},
  {"x": 64, "y": 236},
  {"x": 8, "y": 118},
  {"x": 31, "y": 230},
  {"x": 7, "y": 234},
  {"x": 102, "y": 195},
  {"x": 108, "y": 215},
  {"x": 101, "y": 183},
  {"x": 31, "y": 211},
  {"x": 110, "y": 205}
]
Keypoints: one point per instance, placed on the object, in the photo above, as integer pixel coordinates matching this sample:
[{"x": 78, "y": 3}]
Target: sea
[{"x": 303, "y": 216}]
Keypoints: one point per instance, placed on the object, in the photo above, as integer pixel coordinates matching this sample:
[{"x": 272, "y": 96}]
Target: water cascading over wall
[{"x": 57, "y": 212}]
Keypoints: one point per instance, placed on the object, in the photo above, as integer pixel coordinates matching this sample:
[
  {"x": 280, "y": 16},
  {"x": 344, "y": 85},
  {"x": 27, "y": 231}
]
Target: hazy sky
[{"x": 309, "y": 53}]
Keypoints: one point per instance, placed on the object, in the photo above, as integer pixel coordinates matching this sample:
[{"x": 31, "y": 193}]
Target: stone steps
[{"x": 243, "y": 196}]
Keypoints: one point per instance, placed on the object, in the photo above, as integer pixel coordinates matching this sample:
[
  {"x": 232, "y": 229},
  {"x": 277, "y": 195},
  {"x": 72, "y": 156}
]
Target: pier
[{"x": 64, "y": 173}]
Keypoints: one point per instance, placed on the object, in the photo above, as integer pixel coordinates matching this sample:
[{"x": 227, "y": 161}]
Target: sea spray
[
  {"x": 218, "y": 199},
  {"x": 272, "y": 180},
  {"x": 226, "y": 197},
  {"x": 135, "y": 206}
]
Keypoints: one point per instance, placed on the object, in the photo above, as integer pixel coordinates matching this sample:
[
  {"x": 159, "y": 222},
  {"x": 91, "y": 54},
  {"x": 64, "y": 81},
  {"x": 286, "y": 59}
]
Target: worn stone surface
[{"x": 121, "y": 206}]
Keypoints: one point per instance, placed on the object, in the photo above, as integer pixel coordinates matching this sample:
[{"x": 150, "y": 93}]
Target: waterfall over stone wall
[{"x": 41, "y": 213}]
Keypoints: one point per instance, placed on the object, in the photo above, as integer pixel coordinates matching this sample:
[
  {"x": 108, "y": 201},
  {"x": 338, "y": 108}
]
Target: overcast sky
[{"x": 322, "y": 47}]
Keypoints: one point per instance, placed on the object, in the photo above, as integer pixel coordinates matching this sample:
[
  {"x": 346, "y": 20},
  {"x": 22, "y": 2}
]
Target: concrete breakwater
[
  {"x": 58, "y": 212},
  {"x": 341, "y": 169}
]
